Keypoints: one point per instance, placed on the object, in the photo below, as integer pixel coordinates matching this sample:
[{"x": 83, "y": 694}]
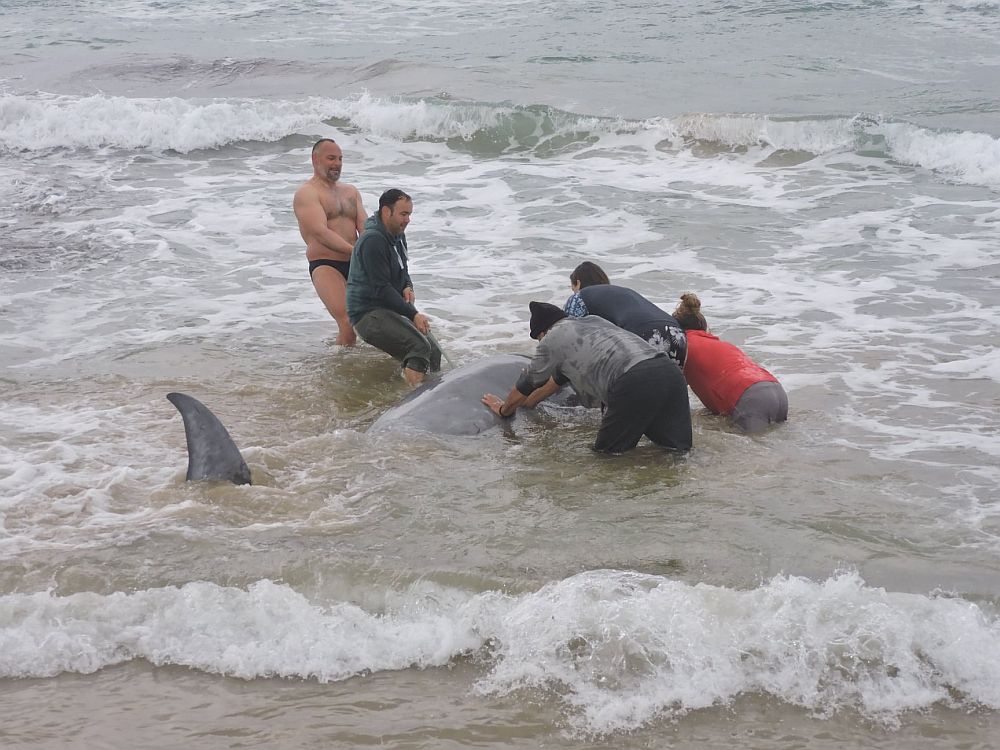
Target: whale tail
[{"x": 212, "y": 454}]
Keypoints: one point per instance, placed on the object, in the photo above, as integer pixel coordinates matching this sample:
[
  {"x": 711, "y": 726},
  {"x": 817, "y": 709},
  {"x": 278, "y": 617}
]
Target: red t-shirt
[{"x": 718, "y": 372}]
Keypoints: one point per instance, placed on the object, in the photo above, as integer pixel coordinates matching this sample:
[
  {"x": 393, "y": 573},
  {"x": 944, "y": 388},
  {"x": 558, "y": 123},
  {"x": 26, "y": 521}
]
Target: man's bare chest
[{"x": 338, "y": 205}]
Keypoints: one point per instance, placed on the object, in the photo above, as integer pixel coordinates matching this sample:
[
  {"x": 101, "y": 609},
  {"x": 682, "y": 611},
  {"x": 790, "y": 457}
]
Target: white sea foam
[
  {"x": 815, "y": 136},
  {"x": 619, "y": 648},
  {"x": 31, "y": 123},
  {"x": 68, "y": 476},
  {"x": 982, "y": 364},
  {"x": 41, "y": 121},
  {"x": 434, "y": 15},
  {"x": 973, "y": 158}
]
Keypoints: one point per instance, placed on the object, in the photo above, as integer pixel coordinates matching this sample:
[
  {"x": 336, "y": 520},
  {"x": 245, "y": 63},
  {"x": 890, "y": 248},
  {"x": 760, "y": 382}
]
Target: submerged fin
[{"x": 212, "y": 454}]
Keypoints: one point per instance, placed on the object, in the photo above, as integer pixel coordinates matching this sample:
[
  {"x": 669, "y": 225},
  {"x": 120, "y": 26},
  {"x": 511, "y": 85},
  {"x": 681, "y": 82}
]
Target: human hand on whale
[
  {"x": 504, "y": 408},
  {"x": 495, "y": 404}
]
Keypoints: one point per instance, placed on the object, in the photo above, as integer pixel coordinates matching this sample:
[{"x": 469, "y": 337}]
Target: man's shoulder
[
  {"x": 307, "y": 190},
  {"x": 566, "y": 329}
]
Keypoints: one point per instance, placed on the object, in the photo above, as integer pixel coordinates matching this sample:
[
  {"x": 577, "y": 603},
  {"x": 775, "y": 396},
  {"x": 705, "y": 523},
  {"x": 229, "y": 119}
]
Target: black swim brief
[{"x": 344, "y": 266}]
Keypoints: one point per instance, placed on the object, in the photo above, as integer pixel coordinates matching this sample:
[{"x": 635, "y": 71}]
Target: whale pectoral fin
[{"x": 212, "y": 454}]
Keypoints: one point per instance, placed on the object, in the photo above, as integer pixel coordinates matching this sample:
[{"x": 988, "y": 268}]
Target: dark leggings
[
  {"x": 398, "y": 337},
  {"x": 649, "y": 399}
]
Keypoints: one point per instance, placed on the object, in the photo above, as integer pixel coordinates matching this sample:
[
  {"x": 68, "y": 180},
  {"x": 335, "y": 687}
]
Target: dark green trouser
[{"x": 398, "y": 337}]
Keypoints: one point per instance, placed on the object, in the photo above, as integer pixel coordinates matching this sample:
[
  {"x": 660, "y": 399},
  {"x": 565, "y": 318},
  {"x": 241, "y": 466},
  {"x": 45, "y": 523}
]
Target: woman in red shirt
[{"x": 725, "y": 379}]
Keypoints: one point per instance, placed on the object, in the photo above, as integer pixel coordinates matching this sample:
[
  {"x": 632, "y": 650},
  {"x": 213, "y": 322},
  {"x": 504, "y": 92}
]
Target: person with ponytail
[{"x": 724, "y": 378}]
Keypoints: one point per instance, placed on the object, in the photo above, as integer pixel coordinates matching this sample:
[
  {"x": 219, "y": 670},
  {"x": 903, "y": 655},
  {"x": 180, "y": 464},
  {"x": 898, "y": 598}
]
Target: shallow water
[{"x": 824, "y": 175}]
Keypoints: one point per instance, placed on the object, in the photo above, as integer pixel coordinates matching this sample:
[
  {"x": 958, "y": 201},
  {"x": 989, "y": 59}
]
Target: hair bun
[{"x": 691, "y": 302}]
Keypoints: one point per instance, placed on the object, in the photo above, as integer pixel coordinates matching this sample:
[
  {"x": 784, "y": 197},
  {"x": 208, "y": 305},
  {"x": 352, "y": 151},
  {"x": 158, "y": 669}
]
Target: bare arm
[
  {"x": 312, "y": 222},
  {"x": 540, "y": 364},
  {"x": 541, "y": 393},
  {"x": 360, "y": 216}
]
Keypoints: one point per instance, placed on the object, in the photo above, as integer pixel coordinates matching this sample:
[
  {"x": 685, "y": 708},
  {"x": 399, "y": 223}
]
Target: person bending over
[
  {"x": 593, "y": 294},
  {"x": 726, "y": 380},
  {"x": 380, "y": 293},
  {"x": 640, "y": 391},
  {"x": 330, "y": 217}
]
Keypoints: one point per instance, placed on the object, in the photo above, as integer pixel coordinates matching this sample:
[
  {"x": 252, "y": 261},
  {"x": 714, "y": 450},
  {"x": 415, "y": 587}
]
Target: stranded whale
[
  {"x": 452, "y": 404},
  {"x": 447, "y": 405}
]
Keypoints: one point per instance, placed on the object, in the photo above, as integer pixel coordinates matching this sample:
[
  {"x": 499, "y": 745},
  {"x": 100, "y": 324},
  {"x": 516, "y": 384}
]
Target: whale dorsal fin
[{"x": 212, "y": 454}]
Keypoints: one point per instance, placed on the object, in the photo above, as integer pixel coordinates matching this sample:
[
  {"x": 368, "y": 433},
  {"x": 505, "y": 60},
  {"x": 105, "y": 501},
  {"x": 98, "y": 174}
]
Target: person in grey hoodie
[
  {"x": 380, "y": 293},
  {"x": 639, "y": 389}
]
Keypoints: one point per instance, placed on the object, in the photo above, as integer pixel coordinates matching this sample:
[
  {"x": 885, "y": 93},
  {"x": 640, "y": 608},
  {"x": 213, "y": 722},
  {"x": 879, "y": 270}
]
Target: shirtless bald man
[{"x": 330, "y": 218}]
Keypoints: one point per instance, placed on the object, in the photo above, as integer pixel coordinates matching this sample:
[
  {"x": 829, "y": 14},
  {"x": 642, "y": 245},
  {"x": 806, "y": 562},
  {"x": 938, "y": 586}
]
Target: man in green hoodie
[{"x": 380, "y": 293}]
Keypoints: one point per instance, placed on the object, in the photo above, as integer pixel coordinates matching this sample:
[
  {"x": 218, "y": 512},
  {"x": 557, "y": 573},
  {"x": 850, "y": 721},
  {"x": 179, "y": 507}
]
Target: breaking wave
[
  {"x": 617, "y": 649},
  {"x": 41, "y": 121}
]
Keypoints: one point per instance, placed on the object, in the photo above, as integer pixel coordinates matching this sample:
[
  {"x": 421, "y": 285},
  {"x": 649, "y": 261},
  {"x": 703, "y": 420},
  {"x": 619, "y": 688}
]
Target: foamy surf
[
  {"x": 618, "y": 648},
  {"x": 41, "y": 121}
]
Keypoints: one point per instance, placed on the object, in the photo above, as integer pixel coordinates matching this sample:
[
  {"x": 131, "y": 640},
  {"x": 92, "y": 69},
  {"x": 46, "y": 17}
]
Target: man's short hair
[
  {"x": 320, "y": 142},
  {"x": 391, "y": 197}
]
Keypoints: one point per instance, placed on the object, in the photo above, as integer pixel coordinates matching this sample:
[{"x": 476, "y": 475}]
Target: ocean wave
[
  {"x": 42, "y": 121},
  {"x": 972, "y": 158},
  {"x": 619, "y": 649}
]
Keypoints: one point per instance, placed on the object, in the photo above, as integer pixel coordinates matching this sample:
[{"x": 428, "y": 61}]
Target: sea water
[{"x": 825, "y": 175}]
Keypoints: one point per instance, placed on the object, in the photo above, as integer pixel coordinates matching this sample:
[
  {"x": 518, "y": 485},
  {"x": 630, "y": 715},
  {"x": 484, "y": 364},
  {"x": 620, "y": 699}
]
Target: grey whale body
[
  {"x": 447, "y": 405},
  {"x": 452, "y": 404}
]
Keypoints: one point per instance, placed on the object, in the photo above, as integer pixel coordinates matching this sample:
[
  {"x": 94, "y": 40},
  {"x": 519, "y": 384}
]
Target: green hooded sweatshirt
[{"x": 379, "y": 273}]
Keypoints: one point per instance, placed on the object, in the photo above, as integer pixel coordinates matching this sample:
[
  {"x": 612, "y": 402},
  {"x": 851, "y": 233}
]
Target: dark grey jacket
[{"x": 628, "y": 309}]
